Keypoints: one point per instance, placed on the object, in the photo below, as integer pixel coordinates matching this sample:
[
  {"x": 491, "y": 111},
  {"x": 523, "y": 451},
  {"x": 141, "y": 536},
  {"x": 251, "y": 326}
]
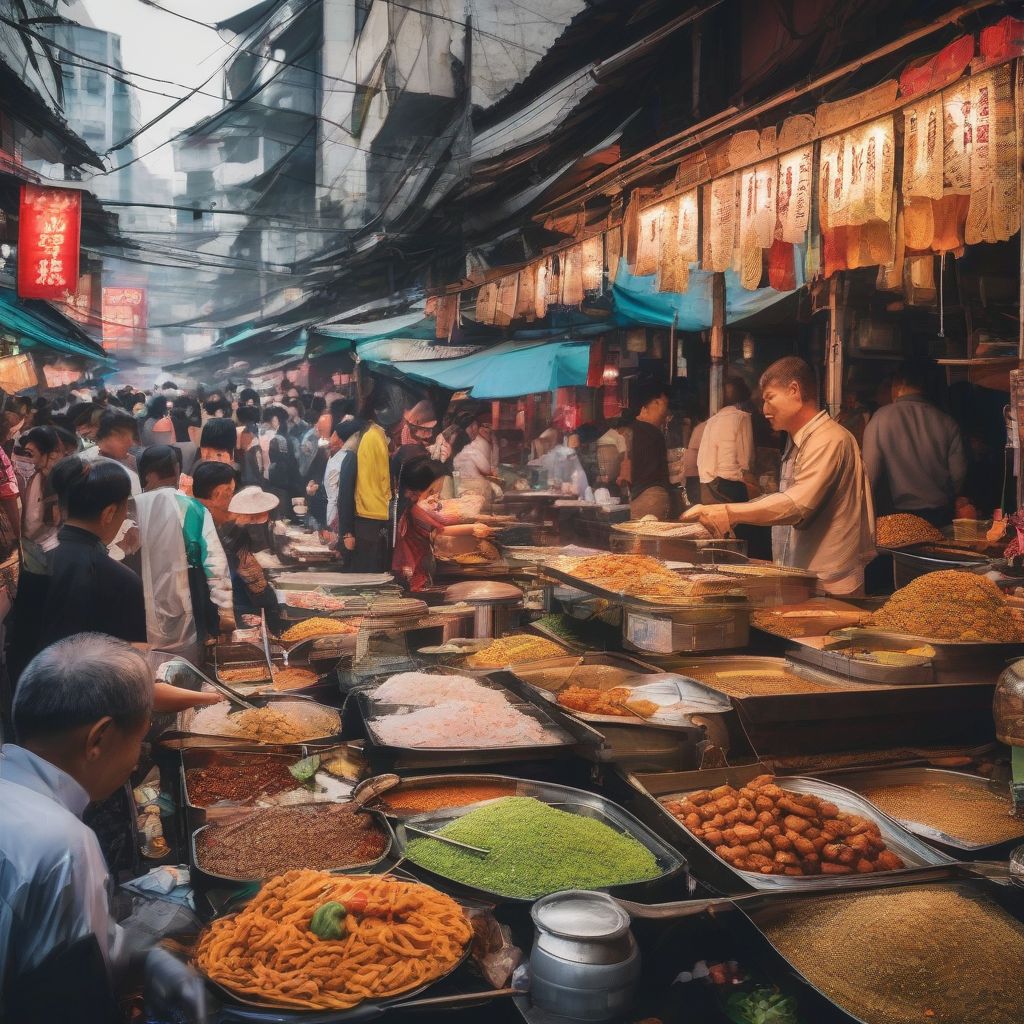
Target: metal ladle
[{"x": 238, "y": 702}]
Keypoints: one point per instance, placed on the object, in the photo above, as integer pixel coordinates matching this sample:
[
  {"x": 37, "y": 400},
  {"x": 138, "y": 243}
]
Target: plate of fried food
[
  {"x": 614, "y": 694},
  {"x": 349, "y": 944}
]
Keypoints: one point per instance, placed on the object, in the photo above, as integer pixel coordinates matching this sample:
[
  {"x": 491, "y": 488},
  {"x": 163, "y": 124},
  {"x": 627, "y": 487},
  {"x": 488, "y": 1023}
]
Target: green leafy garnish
[
  {"x": 761, "y": 1006},
  {"x": 305, "y": 769}
]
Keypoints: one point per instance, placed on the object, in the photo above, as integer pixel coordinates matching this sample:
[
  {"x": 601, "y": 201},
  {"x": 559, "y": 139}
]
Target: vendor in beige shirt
[{"x": 822, "y": 517}]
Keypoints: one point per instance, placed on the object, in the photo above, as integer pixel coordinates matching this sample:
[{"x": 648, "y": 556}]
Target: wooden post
[
  {"x": 717, "y": 343},
  {"x": 834, "y": 351}
]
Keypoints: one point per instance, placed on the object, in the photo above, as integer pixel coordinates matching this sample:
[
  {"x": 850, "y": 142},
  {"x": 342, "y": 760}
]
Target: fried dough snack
[
  {"x": 615, "y": 701},
  {"x": 765, "y": 829}
]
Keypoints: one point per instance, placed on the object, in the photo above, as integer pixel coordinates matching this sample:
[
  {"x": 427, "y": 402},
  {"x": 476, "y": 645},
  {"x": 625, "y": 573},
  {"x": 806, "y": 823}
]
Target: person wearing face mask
[
  {"x": 822, "y": 517},
  {"x": 88, "y": 591},
  {"x": 244, "y": 535}
]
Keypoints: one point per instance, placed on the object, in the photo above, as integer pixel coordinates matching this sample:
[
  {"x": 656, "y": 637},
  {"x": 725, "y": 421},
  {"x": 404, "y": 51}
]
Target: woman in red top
[{"x": 419, "y": 480}]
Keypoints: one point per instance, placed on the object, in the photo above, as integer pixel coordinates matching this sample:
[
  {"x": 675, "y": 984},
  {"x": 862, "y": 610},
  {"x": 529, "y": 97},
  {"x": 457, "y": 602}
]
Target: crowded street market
[{"x": 542, "y": 543}]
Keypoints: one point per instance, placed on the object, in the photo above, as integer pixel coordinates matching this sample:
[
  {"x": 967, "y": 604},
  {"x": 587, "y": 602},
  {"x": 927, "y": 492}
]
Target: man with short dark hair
[
  {"x": 822, "y": 516},
  {"x": 650, "y": 489},
  {"x": 913, "y": 451},
  {"x": 80, "y": 713},
  {"x": 116, "y": 432}
]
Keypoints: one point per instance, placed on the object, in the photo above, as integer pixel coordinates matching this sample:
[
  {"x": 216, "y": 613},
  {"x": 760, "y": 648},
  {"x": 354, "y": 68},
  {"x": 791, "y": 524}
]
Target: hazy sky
[{"x": 164, "y": 46}]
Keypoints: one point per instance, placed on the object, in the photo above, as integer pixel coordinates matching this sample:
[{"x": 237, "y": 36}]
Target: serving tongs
[{"x": 238, "y": 702}]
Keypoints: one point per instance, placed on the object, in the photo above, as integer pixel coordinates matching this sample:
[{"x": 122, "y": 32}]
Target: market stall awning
[
  {"x": 638, "y": 301},
  {"x": 34, "y": 324},
  {"x": 508, "y": 370}
]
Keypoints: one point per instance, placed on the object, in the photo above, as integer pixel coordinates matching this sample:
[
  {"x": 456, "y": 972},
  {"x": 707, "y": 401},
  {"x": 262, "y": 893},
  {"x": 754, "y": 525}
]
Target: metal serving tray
[
  {"x": 834, "y": 658},
  {"x": 746, "y": 920},
  {"x": 858, "y": 779},
  {"x": 953, "y": 658},
  {"x": 203, "y": 879},
  {"x": 670, "y": 687},
  {"x": 706, "y": 625},
  {"x": 333, "y": 788},
  {"x": 565, "y": 798},
  {"x": 183, "y": 738},
  {"x": 914, "y": 853},
  {"x": 344, "y": 582}
]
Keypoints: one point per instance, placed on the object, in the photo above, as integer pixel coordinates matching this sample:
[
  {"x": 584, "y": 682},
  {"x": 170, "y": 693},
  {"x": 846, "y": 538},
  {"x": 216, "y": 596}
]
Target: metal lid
[
  {"x": 578, "y": 914},
  {"x": 483, "y": 591}
]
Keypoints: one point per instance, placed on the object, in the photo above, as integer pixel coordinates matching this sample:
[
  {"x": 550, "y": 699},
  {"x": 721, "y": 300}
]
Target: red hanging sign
[
  {"x": 124, "y": 318},
  {"x": 49, "y": 227}
]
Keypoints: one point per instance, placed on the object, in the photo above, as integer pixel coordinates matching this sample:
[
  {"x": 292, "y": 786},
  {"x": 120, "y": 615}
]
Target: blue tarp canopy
[
  {"x": 508, "y": 370},
  {"x": 637, "y": 300},
  {"x": 45, "y": 327}
]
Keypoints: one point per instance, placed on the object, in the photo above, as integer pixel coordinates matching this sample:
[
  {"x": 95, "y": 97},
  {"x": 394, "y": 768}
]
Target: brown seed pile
[
  {"x": 903, "y": 529},
  {"x": 241, "y": 782},
  {"x": 278, "y": 839},
  {"x": 950, "y": 605},
  {"x": 960, "y": 810},
  {"x": 916, "y": 955}
]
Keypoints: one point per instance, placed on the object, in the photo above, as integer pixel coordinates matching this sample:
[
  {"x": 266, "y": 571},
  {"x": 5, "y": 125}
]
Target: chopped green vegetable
[
  {"x": 305, "y": 769},
  {"x": 534, "y": 850},
  {"x": 761, "y": 1006},
  {"x": 328, "y": 921}
]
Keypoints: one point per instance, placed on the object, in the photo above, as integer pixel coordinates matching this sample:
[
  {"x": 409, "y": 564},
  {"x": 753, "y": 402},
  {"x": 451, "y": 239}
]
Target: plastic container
[{"x": 971, "y": 530}]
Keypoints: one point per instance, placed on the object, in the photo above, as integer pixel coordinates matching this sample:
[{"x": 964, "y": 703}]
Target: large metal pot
[{"x": 585, "y": 962}]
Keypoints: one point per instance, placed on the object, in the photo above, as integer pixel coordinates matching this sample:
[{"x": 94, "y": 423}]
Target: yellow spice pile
[
  {"x": 950, "y": 605},
  {"x": 903, "y": 529}
]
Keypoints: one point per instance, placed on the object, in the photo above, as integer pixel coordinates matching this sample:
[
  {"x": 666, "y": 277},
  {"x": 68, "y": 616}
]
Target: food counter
[{"x": 798, "y": 770}]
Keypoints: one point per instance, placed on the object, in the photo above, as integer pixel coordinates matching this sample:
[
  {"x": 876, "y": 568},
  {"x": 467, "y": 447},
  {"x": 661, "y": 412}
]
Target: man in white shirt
[
  {"x": 725, "y": 458},
  {"x": 476, "y": 463},
  {"x": 822, "y": 517},
  {"x": 342, "y": 445}
]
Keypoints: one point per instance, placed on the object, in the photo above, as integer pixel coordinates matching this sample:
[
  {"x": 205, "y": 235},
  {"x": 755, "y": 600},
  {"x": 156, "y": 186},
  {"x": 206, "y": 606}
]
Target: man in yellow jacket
[{"x": 373, "y": 500}]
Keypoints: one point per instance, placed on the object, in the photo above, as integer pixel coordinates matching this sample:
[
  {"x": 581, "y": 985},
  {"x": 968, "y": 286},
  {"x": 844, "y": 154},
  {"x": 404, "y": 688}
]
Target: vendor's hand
[
  {"x": 481, "y": 530},
  {"x": 714, "y": 518},
  {"x": 350, "y": 542},
  {"x": 131, "y": 541},
  {"x": 205, "y": 698},
  {"x": 311, "y": 488},
  {"x": 227, "y": 624},
  {"x": 328, "y": 538}
]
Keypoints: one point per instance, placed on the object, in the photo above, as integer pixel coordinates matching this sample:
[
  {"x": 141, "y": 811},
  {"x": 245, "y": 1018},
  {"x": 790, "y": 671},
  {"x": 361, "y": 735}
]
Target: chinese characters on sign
[
  {"x": 124, "y": 318},
  {"x": 49, "y": 225}
]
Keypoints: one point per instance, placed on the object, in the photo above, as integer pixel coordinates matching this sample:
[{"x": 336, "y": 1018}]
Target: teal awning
[
  {"x": 243, "y": 335},
  {"x": 46, "y": 328},
  {"x": 341, "y": 337},
  {"x": 508, "y": 370}
]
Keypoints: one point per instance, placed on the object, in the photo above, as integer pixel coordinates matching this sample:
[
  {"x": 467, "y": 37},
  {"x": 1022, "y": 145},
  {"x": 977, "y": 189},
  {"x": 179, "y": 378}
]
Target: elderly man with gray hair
[{"x": 80, "y": 714}]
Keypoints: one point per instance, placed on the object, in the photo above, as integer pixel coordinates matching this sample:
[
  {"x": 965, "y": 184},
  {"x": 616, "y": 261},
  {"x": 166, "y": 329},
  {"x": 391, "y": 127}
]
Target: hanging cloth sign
[
  {"x": 649, "y": 243},
  {"x": 613, "y": 252},
  {"x": 720, "y": 223},
  {"x": 526, "y": 296},
  {"x": 856, "y": 175},
  {"x": 572, "y": 275},
  {"x": 540, "y": 294},
  {"x": 957, "y": 138},
  {"x": 554, "y": 281},
  {"x": 487, "y": 303},
  {"x": 794, "y": 194},
  {"x": 505, "y": 307},
  {"x": 923, "y": 148},
  {"x": 673, "y": 271},
  {"x": 447, "y": 315},
  {"x": 49, "y": 227},
  {"x": 593, "y": 263},
  {"x": 992, "y": 214},
  {"x": 934, "y": 72}
]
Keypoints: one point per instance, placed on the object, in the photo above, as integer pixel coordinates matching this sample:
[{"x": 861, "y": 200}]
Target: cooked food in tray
[
  {"x": 617, "y": 701},
  {"x": 318, "y": 627},
  {"x": 950, "y": 605},
  {"x": 765, "y": 829},
  {"x": 243, "y": 674},
  {"x": 311, "y": 600},
  {"x": 514, "y": 649},
  {"x": 651, "y": 527},
  {"x": 962, "y": 810},
  {"x": 812, "y": 618},
  {"x": 930, "y": 954},
  {"x": 314, "y": 941},
  {"x": 283, "y": 721},
  {"x": 642, "y": 576},
  {"x": 756, "y": 682}
]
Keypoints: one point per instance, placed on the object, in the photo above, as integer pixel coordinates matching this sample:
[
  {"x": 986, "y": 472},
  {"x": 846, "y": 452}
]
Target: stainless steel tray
[
  {"x": 671, "y": 687},
  {"x": 857, "y": 779},
  {"x": 207, "y": 879},
  {"x": 184, "y": 738},
  {"x": 948, "y": 653},
  {"x": 565, "y": 798},
  {"x": 290, "y": 579},
  {"x": 834, "y": 657},
  {"x": 914, "y": 853},
  {"x": 686, "y": 629}
]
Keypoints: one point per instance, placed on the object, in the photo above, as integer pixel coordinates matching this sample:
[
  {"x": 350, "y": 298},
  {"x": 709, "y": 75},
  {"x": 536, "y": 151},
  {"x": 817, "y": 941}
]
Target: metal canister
[{"x": 585, "y": 963}]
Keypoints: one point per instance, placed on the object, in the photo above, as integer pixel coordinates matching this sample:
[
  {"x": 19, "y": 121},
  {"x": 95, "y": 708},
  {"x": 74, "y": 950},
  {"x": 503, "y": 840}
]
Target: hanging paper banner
[
  {"x": 794, "y": 198},
  {"x": 673, "y": 274},
  {"x": 612, "y": 252},
  {"x": 649, "y": 241},
  {"x": 992, "y": 215},
  {"x": 446, "y": 315},
  {"x": 934, "y": 72},
  {"x": 572, "y": 275},
  {"x": 923, "y": 148},
  {"x": 593, "y": 263},
  {"x": 554, "y": 281},
  {"x": 689, "y": 251},
  {"x": 540, "y": 277},
  {"x": 856, "y": 175},
  {"x": 487, "y": 303},
  {"x": 49, "y": 227},
  {"x": 124, "y": 318},
  {"x": 720, "y": 223}
]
